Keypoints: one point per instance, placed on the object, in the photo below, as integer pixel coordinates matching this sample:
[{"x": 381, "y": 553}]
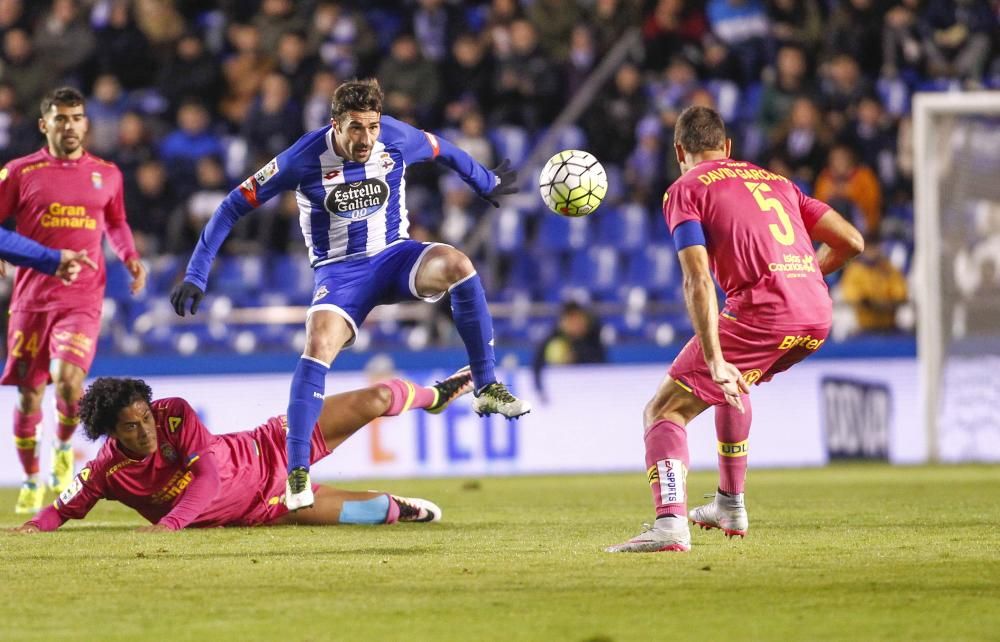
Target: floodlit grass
[{"x": 860, "y": 552}]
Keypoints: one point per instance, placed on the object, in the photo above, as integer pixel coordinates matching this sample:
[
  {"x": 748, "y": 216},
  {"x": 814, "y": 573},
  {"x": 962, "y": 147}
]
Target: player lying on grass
[{"x": 161, "y": 460}]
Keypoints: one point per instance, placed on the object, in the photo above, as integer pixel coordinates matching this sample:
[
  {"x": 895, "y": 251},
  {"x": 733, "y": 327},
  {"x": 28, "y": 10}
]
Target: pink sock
[
  {"x": 666, "y": 464},
  {"x": 407, "y": 396},
  {"x": 26, "y": 439},
  {"x": 732, "y": 429},
  {"x": 68, "y": 415},
  {"x": 392, "y": 516}
]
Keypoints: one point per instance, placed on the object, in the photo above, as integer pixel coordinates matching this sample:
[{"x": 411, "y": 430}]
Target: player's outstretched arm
[
  {"x": 841, "y": 241},
  {"x": 703, "y": 308}
]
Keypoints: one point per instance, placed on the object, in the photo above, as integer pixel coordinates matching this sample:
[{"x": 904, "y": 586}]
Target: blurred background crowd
[{"x": 188, "y": 97}]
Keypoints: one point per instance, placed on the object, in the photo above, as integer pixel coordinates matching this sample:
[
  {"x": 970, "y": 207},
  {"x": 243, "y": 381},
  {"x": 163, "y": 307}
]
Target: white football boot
[
  {"x": 298, "y": 490},
  {"x": 726, "y": 512},
  {"x": 666, "y": 534}
]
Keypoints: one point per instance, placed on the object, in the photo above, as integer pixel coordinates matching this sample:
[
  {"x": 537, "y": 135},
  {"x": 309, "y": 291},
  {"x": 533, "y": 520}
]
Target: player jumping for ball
[
  {"x": 160, "y": 460},
  {"x": 754, "y": 230},
  {"x": 60, "y": 196},
  {"x": 348, "y": 179}
]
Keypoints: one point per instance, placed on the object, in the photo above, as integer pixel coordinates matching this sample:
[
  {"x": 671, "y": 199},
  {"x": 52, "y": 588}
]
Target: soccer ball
[{"x": 573, "y": 183}]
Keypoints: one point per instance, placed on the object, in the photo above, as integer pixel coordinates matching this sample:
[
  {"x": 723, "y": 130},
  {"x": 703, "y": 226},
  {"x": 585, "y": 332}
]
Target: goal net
[{"x": 957, "y": 215}]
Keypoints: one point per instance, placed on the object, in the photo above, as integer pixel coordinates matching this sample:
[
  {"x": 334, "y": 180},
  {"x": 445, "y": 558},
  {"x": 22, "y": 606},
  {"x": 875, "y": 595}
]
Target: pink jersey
[
  {"x": 65, "y": 204},
  {"x": 154, "y": 485},
  {"x": 756, "y": 225}
]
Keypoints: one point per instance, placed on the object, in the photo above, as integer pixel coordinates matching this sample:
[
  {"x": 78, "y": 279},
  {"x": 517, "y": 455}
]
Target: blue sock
[
  {"x": 305, "y": 402},
  {"x": 368, "y": 511},
  {"x": 475, "y": 326}
]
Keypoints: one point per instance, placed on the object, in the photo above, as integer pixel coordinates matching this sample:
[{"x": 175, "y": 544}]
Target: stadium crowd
[{"x": 188, "y": 97}]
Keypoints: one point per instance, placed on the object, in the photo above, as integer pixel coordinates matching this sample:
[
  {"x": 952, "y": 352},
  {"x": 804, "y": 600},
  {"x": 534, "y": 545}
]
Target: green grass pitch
[{"x": 854, "y": 552}]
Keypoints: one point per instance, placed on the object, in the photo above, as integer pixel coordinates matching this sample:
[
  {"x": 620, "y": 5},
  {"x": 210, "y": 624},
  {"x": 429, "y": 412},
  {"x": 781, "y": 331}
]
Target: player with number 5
[{"x": 754, "y": 231}]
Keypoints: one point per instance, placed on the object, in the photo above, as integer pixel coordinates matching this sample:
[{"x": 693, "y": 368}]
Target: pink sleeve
[
  {"x": 197, "y": 496},
  {"x": 679, "y": 205},
  {"x": 184, "y": 429},
  {"x": 48, "y": 519},
  {"x": 10, "y": 192},
  {"x": 116, "y": 225},
  {"x": 811, "y": 209}
]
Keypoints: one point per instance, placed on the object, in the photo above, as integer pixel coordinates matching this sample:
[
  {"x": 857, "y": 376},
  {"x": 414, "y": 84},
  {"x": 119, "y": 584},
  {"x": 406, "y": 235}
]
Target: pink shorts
[
  {"x": 759, "y": 353},
  {"x": 35, "y": 339},
  {"x": 270, "y": 439}
]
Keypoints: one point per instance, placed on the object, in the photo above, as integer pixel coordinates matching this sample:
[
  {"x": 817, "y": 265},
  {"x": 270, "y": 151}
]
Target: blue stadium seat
[
  {"x": 508, "y": 230},
  {"x": 511, "y": 142},
  {"x": 655, "y": 269},
  {"x": 119, "y": 281},
  {"x": 291, "y": 275},
  {"x": 626, "y": 228},
  {"x": 562, "y": 234},
  {"x": 595, "y": 269}
]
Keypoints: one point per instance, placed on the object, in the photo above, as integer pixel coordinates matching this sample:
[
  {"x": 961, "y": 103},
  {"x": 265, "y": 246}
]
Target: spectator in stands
[
  {"x": 316, "y": 112},
  {"x": 843, "y": 85},
  {"x": 342, "y": 37},
  {"x": 160, "y": 22},
  {"x": 105, "y": 109},
  {"x": 210, "y": 190},
  {"x": 190, "y": 71},
  {"x": 275, "y": 18},
  {"x": 132, "y": 147},
  {"x": 294, "y": 62},
  {"x": 790, "y": 80},
  {"x": 122, "y": 49},
  {"x": 527, "y": 83},
  {"x": 243, "y": 71},
  {"x": 612, "y": 120},
  {"x": 957, "y": 37},
  {"x": 554, "y": 21},
  {"x": 472, "y": 138},
  {"x": 150, "y": 201},
  {"x": 63, "y": 39},
  {"x": 796, "y": 23},
  {"x": 193, "y": 139},
  {"x": 874, "y": 287},
  {"x": 13, "y": 16},
  {"x": 608, "y": 21},
  {"x": 802, "y": 140},
  {"x": 873, "y": 135},
  {"x": 24, "y": 71},
  {"x": 406, "y": 72},
  {"x": 644, "y": 167},
  {"x": 502, "y": 15},
  {"x": 576, "y": 339},
  {"x": 901, "y": 40},
  {"x": 742, "y": 26},
  {"x": 670, "y": 93},
  {"x": 468, "y": 76},
  {"x": 851, "y": 188},
  {"x": 274, "y": 121},
  {"x": 673, "y": 29},
  {"x": 854, "y": 29},
  {"x": 18, "y": 134},
  {"x": 581, "y": 59},
  {"x": 436, "y": 25}
]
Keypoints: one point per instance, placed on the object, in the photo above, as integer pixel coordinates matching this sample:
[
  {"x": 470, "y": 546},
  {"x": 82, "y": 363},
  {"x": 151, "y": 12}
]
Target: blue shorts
[{"x": 353, "y": 288}]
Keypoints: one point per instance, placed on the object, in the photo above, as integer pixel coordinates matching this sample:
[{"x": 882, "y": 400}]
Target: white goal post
[{"x": 956, "y": 158}]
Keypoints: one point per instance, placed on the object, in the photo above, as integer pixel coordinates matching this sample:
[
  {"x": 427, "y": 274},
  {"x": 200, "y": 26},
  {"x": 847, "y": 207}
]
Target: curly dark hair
[
  {"x": 700, "y": 129},
  {"x": 356, "y": 95},
  {"x": 63, "y": 96},
  {"x": 105, "y": 398}
]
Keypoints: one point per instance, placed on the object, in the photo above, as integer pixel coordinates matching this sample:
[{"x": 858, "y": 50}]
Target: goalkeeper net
[{"x": 957, "y": 185}]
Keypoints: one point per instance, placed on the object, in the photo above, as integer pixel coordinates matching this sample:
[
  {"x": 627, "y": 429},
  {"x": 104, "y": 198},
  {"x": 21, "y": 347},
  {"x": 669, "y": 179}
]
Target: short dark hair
[
  {"x": 105, "y": 398},
  {"x": 63, "y": 96},
  {"x": 356, "y": 95},
  {"x": 700, "y": 129}
]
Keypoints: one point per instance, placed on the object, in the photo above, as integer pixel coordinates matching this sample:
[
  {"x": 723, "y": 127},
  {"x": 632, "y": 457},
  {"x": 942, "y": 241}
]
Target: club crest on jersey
[
  {"x": 357, "y": 201},
  {"x": 96, "y": 180},
  {"x": 386, "y": 162},
  {"x": 168, "y": 453},
  {"x": 265, "y": 173},
  {"x": 320, "y": 293}
]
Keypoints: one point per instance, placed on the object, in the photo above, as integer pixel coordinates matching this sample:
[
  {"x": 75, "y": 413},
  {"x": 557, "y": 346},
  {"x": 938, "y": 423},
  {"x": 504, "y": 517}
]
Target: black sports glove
[
  {"x": 182, "y": 292},
  {"x": 506, "y": 182}
]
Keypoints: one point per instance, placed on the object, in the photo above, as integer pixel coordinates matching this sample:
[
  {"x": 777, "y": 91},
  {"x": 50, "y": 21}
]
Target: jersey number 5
[{"x": 784, "y": 233}]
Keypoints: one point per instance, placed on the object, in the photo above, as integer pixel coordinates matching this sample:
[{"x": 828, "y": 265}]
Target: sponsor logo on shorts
[
  {"x": 359, "y": 200},
  {"x": 671, "y": 474},
  {"x": 752, "y": 376},
  {"x": 737, "y": 449},
  {"x": 321, "y": 292},
  {"x": 795, "y": 341}
]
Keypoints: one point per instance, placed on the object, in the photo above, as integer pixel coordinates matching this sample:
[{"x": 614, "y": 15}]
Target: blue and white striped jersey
[{"x": 346, "y": 209}]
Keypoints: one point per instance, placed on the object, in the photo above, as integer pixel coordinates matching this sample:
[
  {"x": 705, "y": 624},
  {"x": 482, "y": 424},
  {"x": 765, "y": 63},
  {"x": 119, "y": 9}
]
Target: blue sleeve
[
  {"x": 418, "y": 145},
  {"x": 687, "y": 234},
  {"x": 22, "y": 251},
  {"x": 280, "y": 174}
]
